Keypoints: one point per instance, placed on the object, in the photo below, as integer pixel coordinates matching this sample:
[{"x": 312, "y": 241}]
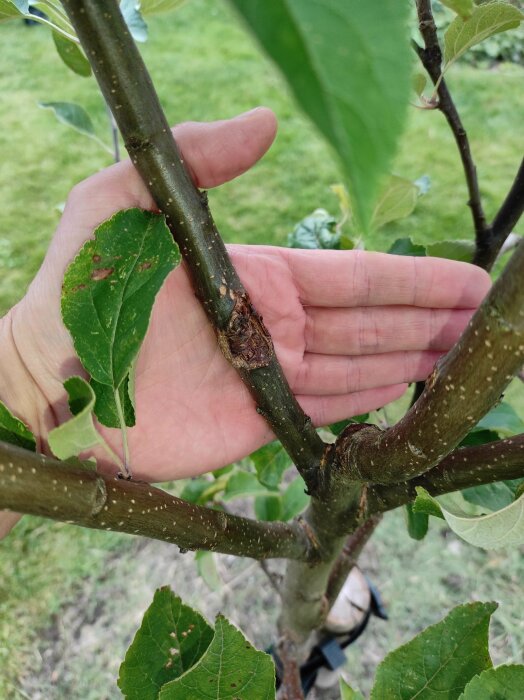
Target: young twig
[
  {"x": 504, "y": 222},
  {"x": 349, "y": 556},
  {"x": 274, "y": 579},
  {"x": 431, "y": 58},
  {"x": 488, "y": 238}
]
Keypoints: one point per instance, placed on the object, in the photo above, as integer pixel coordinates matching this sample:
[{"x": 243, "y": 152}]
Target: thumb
[
  {"x": 213, "y": 152},
  {"x": 220, "y": 151}
]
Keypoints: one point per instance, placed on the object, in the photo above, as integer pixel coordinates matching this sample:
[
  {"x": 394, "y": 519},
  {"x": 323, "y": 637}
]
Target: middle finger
[{"x": 371, "y": 330}]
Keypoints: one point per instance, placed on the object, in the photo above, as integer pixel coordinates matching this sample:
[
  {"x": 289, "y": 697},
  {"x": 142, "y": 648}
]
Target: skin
[{"x": 351, "y": 329}]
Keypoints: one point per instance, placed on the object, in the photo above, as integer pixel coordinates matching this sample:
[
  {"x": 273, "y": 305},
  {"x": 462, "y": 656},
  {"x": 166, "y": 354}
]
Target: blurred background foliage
[{"x": 206, "y": 67}]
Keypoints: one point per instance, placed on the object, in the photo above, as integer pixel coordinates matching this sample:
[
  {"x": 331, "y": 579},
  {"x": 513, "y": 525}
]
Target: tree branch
[
  {"x": 431, "y": 58},
  {"x": 291, "y": 688},
  {"x": 468, "y": 466},
  {"x": 462, "y": 388},
  {"x": 330, "y": 519},
  {"x": 348, "y": 558},
  {"x": 503, "y": 223},
  {"x": 242, "y": 336},
  {"x": 38, "y": 485}
]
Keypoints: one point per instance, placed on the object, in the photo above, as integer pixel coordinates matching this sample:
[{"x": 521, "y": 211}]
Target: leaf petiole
[{"x": 125, "y": 445}]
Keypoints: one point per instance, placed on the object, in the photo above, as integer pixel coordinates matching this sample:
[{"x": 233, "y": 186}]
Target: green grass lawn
[{"x": 206, "y": 67}]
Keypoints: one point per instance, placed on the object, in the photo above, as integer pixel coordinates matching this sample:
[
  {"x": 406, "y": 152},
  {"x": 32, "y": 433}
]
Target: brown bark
[
  {"x": 32, "y": 483},
  {"x": 291, "y": 688},
  {"x": 463, "y": 387},
  {"x": 348, "y": 557},
  {"x": 468, "y": 466}
]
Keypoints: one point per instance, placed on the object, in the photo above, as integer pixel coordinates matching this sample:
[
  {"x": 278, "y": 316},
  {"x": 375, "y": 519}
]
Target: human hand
[{"x": 350, "y": 328}]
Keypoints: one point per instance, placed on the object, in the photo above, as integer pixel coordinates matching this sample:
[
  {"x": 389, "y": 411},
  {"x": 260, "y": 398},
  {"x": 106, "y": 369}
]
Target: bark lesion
[{"x": 245, "y": 342}]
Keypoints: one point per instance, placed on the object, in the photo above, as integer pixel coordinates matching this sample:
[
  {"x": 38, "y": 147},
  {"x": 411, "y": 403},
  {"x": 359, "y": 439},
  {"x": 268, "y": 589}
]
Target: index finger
[{"x": 340, "y": 278}]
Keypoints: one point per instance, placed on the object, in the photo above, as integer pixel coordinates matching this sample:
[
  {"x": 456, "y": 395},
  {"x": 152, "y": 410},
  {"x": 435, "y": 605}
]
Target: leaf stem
[
  {"x": 54, "y": 27},
  {"x": 114, "y": 134},
  {"x": 123, "y": 428},
  {"x": 114, "y": 457}
]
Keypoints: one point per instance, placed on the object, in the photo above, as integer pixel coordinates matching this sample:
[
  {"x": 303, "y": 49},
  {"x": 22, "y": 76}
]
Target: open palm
[{"x": 350, "y": 328}]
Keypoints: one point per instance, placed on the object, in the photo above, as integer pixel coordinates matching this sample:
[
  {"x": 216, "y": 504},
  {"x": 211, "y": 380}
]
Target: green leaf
[
  {"x": 294, "y": 499},
  {"x": 207, "y": 569},
  {"x": 439, "y": 661},
  {"x": 484, "y": 21},
  {"x": 344, "y": 202},
  {"x": 397, "y": 200},
  {"x": 337, "y": 428},
  {"x": 87, "y": 464},
  {"x": 78, "y": 434},
  {"x": 14, "y": 432},
  {"x": 452, "y": 250},
  {"x": 242, "y": 484},
  {"x": 194, "y": 488},
  {"x": 222, "y": 471},
  {"x": 349, "y": 67},
  {"x": 464, "y": 8},
  {"x": 503, "y": 528},
  {"x": 72, "y": 115},
  {"x": 172, "y": 638},
  {"x": 231, "y": 669},
  {"x": 10, "y": 10},
  {"x": 55, "y": 17},
  {"x": 71, "y": 55},
  {"x": 479, "y": 437},
  {"x": 106, "y": 409},
  {"x": 131, "y": 11},
  {"x": 493, "y": 497},
  {"x": 405, "y": 246},
  {"x": 268, "y": 507},
  {"x": 108, "y": 294},
  {"x": 270, "y": 462},
  {"x": 501, "y": 683},
  {"x": 150, "y": 7},
  {"x": 347, "y": 693},
  {"x": 319, "y": 230},
  {"x": 417, "y": 523},
  {"x": 419, "y": 82},
  {"x": 502, "y": 419},
  {"x": 425, "y": 503}
]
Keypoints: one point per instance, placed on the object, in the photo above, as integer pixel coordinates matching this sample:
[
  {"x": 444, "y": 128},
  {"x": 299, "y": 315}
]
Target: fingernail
[{"x": 249, "y": 113}]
